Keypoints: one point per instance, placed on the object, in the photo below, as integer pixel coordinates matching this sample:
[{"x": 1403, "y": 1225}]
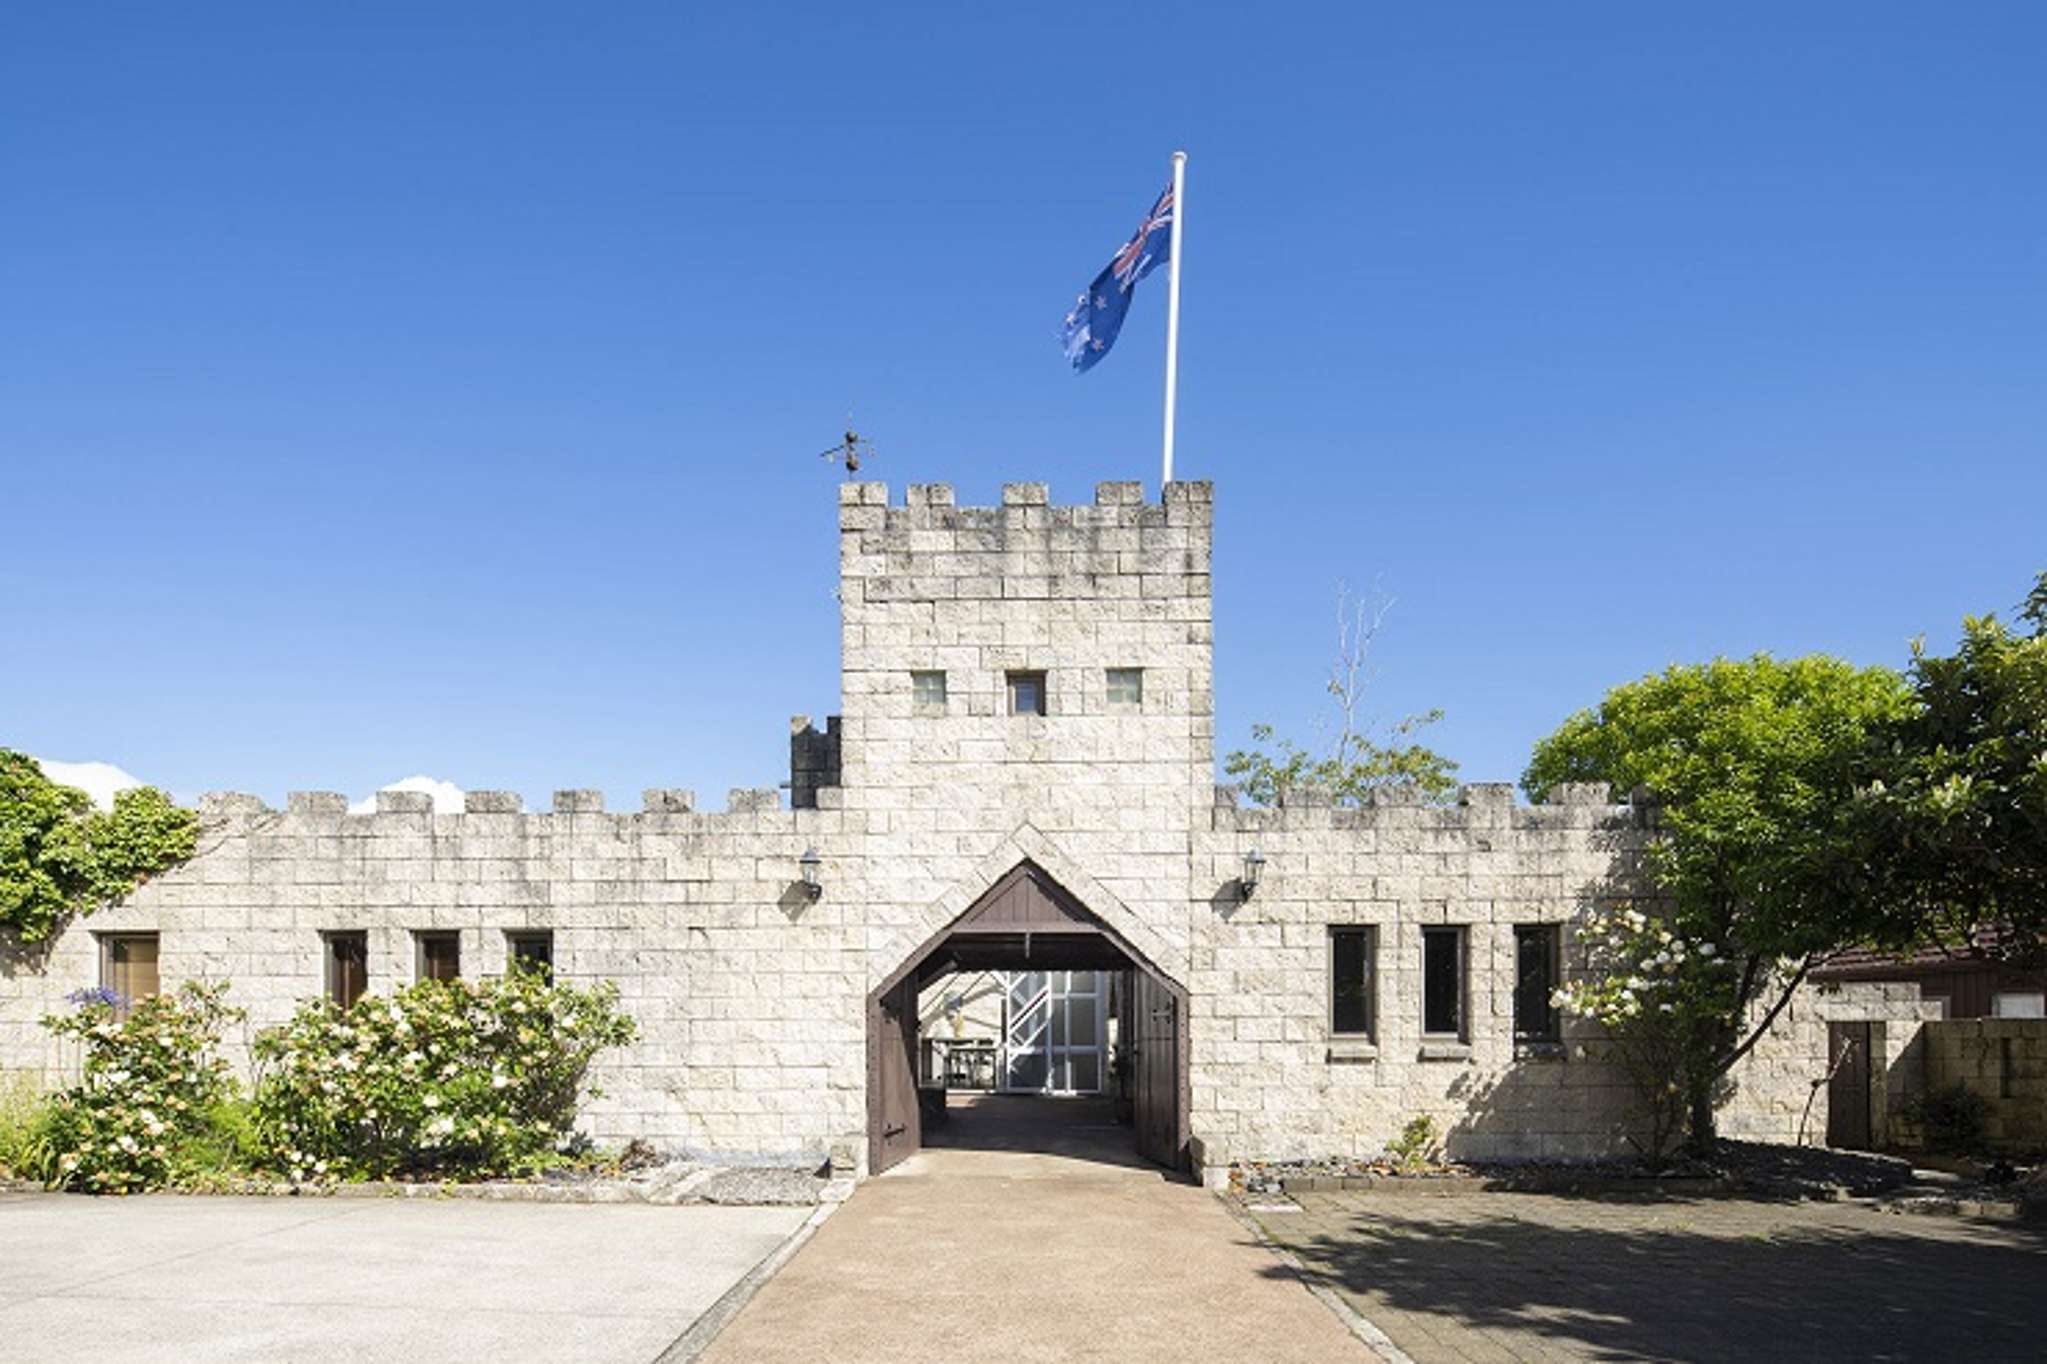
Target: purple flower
[{"x": 97, "y": 994}]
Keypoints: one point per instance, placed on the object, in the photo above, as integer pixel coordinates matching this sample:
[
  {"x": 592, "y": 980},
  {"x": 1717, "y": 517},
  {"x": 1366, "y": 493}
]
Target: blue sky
[{"x": 387, "y": 391}]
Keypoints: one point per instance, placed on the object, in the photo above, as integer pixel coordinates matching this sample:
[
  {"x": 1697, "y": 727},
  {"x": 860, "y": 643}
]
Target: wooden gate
[
  {"x": 1156, "y": 1069},
  {"x": 1848, "y": 1118},
  {"x": 1026, "y": 921},
  {"x": 894, "y": 1127}
]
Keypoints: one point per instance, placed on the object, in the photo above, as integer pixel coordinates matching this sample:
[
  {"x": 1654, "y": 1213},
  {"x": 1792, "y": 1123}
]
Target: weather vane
[{"x": 850, "y": 451}]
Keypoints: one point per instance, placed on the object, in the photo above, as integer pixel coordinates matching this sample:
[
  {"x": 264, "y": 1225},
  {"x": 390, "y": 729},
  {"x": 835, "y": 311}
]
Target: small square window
[
  {"x": 440, "y": 956},
  {"x": 128, "y": 967},
  {"x": 1443, "y": 982},
  {"x": 1535, "y": 981},
  {"x": 927, "y": 690},
  {"x": 1350, "y": 982},
  {"x": 1026, "y": 693},
  {"x": 348, "y": 967},
  {"x": 531, "y": 949},
  {"x": 1126, "y": 688}
]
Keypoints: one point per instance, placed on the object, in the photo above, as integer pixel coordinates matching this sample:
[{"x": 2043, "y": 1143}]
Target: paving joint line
[
  {"x": 693, "y": 1342},
  {"x": 1357, "y": 1323}
]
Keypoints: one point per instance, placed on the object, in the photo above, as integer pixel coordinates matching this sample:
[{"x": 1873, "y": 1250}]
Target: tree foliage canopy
[
  {"x": 1357, "y": 761},
  {"x": 59, "y": 856},
  {"x": 1754, "y": 764},
  {"x": 1957, "y": 815},
  {"x": 1350, "y": 773}
]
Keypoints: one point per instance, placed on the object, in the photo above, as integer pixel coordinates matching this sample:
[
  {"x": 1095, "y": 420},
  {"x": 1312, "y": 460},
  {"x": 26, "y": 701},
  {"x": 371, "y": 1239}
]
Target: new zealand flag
[{"x": 1092, "y": 326}]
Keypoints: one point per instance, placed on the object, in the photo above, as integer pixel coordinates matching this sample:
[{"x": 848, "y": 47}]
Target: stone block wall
[
  {"x": 1272, "y": 1082},
  {"x": 751, "y": 996},
  {"x": 2004, "y": 1060},
  {"x": 979, "y": 593},
  {"x": 747, "y": 994}
]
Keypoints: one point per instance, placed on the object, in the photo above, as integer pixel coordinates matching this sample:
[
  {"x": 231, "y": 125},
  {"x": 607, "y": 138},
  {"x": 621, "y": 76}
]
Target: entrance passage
[
  {"x": 1027, "y": 992},
  {"x": 1029, "y": 1230}
]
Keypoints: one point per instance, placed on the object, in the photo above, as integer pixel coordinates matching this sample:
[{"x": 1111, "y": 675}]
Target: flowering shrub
[
  {"x": 468, "y": 1077},
  {"x": 152, "y": 1084},
  {"x": 1663, "y": 998}
]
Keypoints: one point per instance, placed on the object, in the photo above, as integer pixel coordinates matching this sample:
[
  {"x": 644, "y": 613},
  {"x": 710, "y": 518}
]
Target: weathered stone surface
[{"x": 751, "y": 997}]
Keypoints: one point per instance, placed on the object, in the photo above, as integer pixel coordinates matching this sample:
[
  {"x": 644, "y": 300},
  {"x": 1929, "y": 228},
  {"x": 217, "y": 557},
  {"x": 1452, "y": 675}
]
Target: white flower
[
  {"x": 498, "y": 1079},
  {"x": 1707, "y": 949},
  {"x": 432, "y": 1101}
]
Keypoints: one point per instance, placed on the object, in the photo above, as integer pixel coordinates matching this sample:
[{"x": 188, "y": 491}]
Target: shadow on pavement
[
  {"x": 1684, "y": 1281},
  {"x": 1078, "y": 1129}
]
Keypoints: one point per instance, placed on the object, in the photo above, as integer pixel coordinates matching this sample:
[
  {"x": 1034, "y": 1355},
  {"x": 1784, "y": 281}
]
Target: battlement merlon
[
  {"x": 865, "y": 506},
  {"x": 1476, "y": 806},
  {"x": 932, "y": 550},
  {"x": 241, "y": 811}
]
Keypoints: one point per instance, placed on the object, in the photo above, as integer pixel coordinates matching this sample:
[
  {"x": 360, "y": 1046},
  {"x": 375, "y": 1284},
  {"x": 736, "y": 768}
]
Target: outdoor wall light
[
  {"x": 1254, "y": 867},
  {"x": 812, "y": 865}
]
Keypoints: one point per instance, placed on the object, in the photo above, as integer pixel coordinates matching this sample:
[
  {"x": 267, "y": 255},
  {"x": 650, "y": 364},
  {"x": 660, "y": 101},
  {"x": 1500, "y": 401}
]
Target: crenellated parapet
[
  {"x": 658, "y": 805},
  {"x": 1477, "y": 805},
  {"x": 1025, "y": 549}
]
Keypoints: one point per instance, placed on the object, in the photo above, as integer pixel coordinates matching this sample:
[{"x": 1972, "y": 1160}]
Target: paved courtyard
[
  {"x": 1487, "y": 1277},
  {"x": 1033, "y": 1235},
  {"x": 208, "y": 1280}
]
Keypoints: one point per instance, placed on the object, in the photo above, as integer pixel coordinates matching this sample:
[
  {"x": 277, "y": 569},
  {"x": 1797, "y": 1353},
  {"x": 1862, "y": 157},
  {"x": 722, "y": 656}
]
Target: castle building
[{"x": 1019, "y": 788}]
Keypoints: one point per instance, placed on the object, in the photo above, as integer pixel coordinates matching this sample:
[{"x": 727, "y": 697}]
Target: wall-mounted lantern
[
  {"x": 1254, "y": 868},
  {"x": 812, "y": 866}
]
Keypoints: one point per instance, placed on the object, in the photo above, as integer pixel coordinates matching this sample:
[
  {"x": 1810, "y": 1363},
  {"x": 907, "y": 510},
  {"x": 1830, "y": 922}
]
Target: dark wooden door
[
  {"x": 1848, "y": 1085},
  {"x": 893, "y": 1128},
  {"x": 1155, "y": 1068}
]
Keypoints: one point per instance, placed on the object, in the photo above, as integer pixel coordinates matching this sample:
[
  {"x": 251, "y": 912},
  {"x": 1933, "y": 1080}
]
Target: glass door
[
  {"x": 1026, "y": 1034},
  {"x": 1053, "y": 1032}
]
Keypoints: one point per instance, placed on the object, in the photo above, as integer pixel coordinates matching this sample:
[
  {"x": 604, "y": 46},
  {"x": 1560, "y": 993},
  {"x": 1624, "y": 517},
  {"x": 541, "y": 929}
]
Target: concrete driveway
[
  {"x": 309, "y": 1279},
  {"x": 1033, "y": 1234}
]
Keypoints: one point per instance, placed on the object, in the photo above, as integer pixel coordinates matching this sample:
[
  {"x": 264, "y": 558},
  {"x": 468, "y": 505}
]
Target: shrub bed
[
  {"x": 153, "y": 1090},
  {"x": 466, "y": 1078}
]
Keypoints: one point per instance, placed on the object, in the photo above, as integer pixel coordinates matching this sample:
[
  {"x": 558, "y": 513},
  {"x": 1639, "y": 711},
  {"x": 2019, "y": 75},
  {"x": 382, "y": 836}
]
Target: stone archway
[{"x": 1026, "y": 920}]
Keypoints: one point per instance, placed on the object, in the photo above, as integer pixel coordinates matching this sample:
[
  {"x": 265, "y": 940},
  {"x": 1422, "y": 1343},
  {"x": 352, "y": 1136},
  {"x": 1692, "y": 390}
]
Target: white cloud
[
  {"x": 447, "y": 796},
  {"x": 98, "y": 780}
]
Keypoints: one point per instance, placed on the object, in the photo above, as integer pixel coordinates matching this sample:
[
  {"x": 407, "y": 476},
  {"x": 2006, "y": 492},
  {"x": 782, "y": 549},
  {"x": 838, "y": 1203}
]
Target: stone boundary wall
[
  {"x": 2004, "y": 1060},
  {"x": 747, "y": 993},
  {"x": 1270, "y": 1080}
]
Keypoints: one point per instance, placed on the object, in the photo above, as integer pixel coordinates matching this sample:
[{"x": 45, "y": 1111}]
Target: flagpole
[{"x": 1173, "y": 309}]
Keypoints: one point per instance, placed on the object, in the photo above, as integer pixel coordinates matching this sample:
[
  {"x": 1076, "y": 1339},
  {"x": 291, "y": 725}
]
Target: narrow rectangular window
[
  {"x": 1443, "y": 982},
  {"x": 1126, "y": 688},
  {"x": 348, "y": 967},
  {"x": 128, "y": 964},
  {"x": 440, "y": 956},
  {"x": 531, "y": 949},
  {"x": 1350, "y": 982},
  {"x": 927, "y": 689},
  {"x": 1026, "y": 693},
  {"x": 1535, "y": 981}
]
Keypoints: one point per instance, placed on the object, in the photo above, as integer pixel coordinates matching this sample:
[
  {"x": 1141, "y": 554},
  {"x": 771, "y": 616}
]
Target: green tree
[
  {"x": 1957, "y": 820},
  {"x": 59, "y": 856},
  {"x": 1355, "y": 762},
  {"x": 1757, "y": 874}
]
